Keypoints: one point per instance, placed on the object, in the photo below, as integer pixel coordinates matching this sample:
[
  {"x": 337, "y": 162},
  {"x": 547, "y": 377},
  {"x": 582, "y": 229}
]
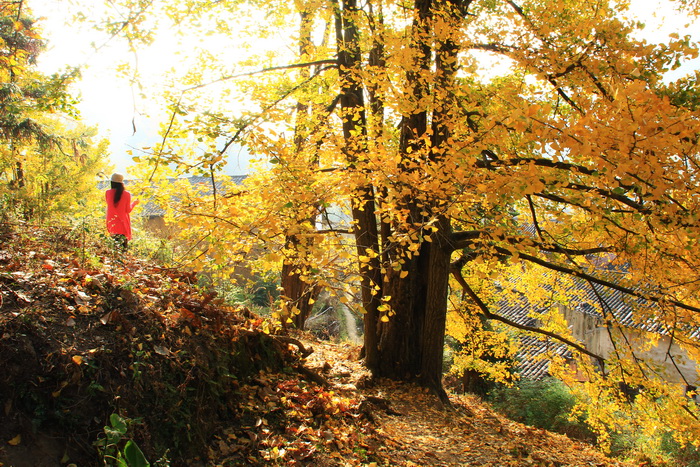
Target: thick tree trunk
[
  {"x": 409, "y": 345},
  {"x": 399, "y": 351},
  {"x": 411, "y": 342},
  {"x": 440, "y": 248},
  {"x": 400, "y": 343},
  {"x": 436, "y": 275}
]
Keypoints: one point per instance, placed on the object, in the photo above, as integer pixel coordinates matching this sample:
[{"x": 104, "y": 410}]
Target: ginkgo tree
[{"x": 582, "y": 154}]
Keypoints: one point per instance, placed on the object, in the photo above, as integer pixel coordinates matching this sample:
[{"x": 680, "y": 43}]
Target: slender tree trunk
[
  {"x": 297, "y": 294},
  {"x": 18, "y": 180},
  {"x": 363, "y": 204}
]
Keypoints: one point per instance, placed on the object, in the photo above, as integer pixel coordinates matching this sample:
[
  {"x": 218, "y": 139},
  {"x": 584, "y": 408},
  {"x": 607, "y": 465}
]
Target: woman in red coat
[{"x": 119, "y": 207}]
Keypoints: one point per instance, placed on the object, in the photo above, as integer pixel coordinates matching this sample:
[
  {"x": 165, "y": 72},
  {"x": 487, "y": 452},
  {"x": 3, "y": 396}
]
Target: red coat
[{"x": 118, "y": 218}]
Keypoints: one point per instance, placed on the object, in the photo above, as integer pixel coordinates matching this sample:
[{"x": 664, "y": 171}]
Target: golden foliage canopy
[{"x": 583, "y": 150}]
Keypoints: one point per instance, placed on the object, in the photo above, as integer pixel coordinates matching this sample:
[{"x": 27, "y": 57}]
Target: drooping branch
[
  {"x": 555, "y": 248},
  {"x": 598, "y": 84},
  {"x": 535, "y": 221},
  {"x": 467, "y": 239},
  {"x": 162, "y": 144},
  {"x": 492, "y": 47},
  {"x": 607, "y": 312},
  {"x": 493, "y": 162},
  {"x": 464, "y": 239},
  {"x": 457, "y": 274},
  {"x": 537, "y": 161},
  {"x": 561, "y": 200},
  {"x": 564, "y": 95},
  {"x": 607, "y": 194},
  {"x": 240, "y": 130},
  {"x": 596, "y": 280}
]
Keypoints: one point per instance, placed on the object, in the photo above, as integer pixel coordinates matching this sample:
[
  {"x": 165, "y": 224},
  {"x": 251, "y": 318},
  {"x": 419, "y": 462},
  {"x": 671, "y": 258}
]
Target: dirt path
[
  {"x": 350, "y": 325},
  {"x": 417, "y": 430},
  {"x": 470, "y": 434}
]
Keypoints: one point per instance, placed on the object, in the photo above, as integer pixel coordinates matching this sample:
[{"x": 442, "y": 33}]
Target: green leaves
[
  {"x": 116, "y": 429},
  {"x": 133, "y": 455},
  {"x": 115, "y": 435}
]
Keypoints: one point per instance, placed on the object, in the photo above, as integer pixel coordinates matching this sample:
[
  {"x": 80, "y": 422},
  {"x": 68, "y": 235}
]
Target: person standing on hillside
[{"x": 119, "y": 208}]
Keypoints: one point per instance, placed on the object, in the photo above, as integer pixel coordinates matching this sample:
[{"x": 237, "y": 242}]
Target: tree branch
[
  {"x": 265, "y": 70},
  {"x": 457, "y": 273},
  {"x": 463, "y": 239},
  {"x": 603, "y": 282},
  {"x": 540, "y": 162},
  {"x": 559, "y": 199}
]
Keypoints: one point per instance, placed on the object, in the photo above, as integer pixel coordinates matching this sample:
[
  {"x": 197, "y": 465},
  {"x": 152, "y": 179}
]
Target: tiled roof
[
  {"x": 534, "y": 356},
  {"x": 595, "y": 300},
  {"x": 533, "y": 351}
]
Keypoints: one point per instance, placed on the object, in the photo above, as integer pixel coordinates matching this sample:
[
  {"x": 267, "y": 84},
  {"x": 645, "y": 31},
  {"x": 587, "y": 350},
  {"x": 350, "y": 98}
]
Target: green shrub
[
  {"x": 658, "y": 449},
  {"x": 547, "y": 404},
  {"x": 543, "y": 404},
  {"x": 688, "y": 456},
  {"x": 259, "y": 295}
]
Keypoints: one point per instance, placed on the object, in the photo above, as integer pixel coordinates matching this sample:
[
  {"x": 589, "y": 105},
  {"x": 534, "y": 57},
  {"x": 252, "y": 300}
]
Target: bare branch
[{"x": 265, "y": 70}]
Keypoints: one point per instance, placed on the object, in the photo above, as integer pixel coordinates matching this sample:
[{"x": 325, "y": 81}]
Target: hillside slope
[{"x": 86, "y": 335}]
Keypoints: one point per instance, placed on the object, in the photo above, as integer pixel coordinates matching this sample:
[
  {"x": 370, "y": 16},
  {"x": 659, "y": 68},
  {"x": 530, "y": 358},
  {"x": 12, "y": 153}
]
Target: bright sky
[
  {"x": 110, "y": 103},
  {"x": 106, "y": 102}
]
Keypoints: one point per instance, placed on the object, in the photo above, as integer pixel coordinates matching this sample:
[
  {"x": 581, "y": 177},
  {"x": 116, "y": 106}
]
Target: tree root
[
  {"x": 378, "y": 403},
  {"x": 312, "y": 376},
  {"x": 290, "y": 340}
]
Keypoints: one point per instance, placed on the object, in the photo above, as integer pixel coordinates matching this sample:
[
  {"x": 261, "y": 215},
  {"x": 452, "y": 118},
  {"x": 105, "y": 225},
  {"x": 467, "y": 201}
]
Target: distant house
[{"x": 591, "y": 308}]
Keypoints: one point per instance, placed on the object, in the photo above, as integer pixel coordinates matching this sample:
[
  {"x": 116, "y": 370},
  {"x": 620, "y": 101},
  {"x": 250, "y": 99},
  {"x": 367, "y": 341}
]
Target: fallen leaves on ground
[
  {"x": 411, "y": 427},
  {"x": 91, "y": 333}
]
